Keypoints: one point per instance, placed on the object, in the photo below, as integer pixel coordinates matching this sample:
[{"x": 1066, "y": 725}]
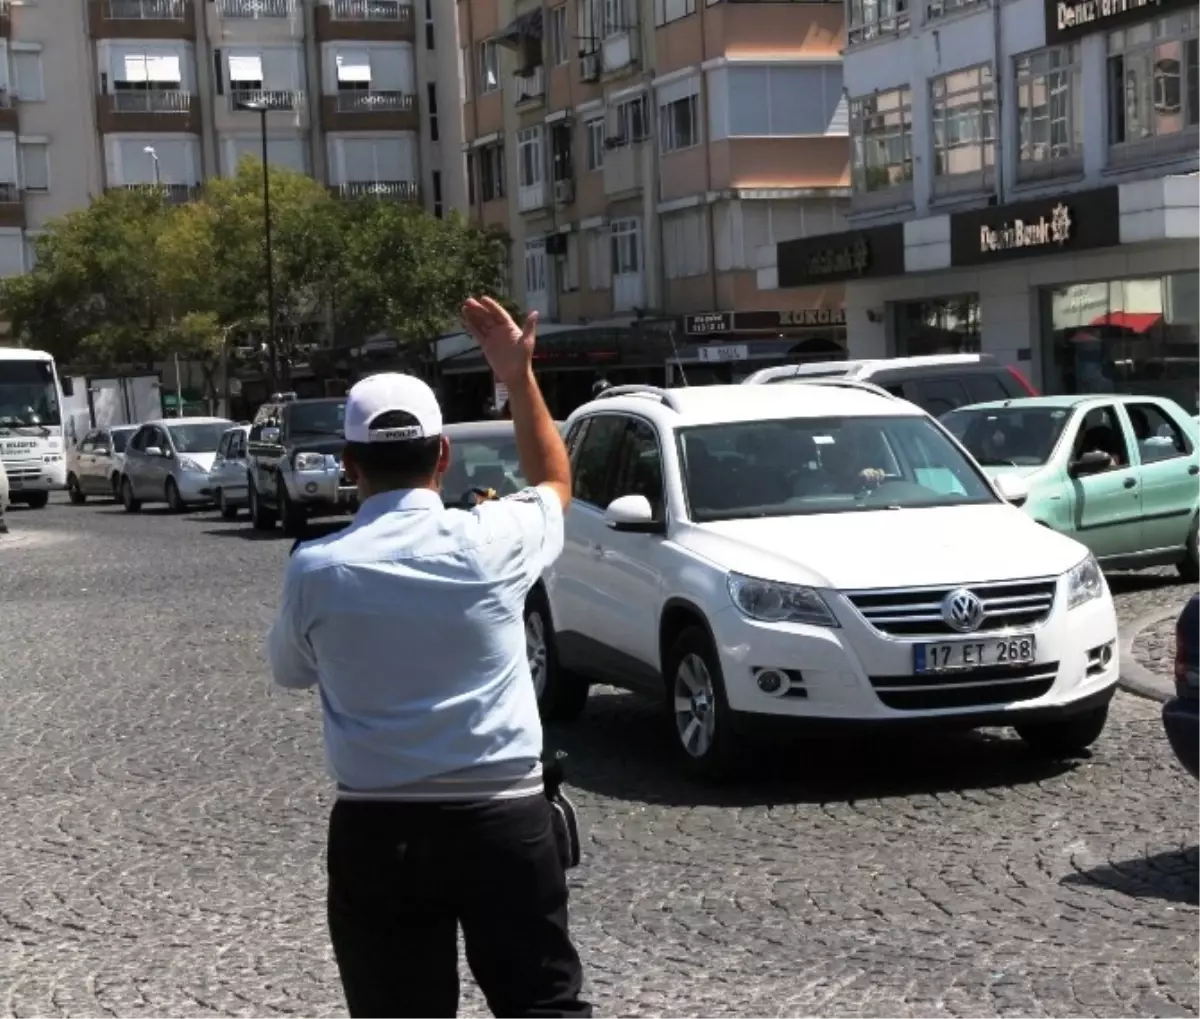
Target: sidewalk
[{"x": 1148, "y": 655}]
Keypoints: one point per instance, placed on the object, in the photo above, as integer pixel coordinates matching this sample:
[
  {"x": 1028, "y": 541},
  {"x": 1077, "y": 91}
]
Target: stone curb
[{"x": 1135, "y": 677}]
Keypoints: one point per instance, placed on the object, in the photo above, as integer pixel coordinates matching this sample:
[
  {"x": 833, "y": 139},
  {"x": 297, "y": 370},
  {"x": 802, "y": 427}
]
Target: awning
[
  {"x": 525, "y": 26},
  {"x": 354, "y": 67},
  {"x": 1132, "y": 321},
  {"x": 163, "y": 68},
  {"x": 245, "y": 68}
]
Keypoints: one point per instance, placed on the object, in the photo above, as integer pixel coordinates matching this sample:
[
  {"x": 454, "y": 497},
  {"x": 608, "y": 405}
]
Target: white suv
[{"x": 811, "y": 553}]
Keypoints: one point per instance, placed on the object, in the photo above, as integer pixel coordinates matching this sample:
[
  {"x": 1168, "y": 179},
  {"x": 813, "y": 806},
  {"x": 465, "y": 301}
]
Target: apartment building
[
  {"x": 1025, "y": 184},
  {"x": 640, "y": 153},
  {"x": 98, "y": 94}
]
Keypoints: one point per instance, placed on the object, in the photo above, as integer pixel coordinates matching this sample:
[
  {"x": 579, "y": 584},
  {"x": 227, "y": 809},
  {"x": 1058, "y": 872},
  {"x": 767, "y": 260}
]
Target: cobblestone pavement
[
  {"x": 1154, "y": 647},
  {"x": 164, "y": 821}
]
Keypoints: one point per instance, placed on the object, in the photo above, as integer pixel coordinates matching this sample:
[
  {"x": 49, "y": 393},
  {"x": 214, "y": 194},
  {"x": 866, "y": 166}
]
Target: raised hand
[{"x": 507, "y": 347}]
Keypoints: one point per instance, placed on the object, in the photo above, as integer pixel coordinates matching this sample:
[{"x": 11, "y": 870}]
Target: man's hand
[{"x": 507, "y": 347}]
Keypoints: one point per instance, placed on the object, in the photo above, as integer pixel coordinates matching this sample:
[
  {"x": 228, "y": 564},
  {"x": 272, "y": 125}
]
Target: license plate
[{"x": 959, "y": 655}]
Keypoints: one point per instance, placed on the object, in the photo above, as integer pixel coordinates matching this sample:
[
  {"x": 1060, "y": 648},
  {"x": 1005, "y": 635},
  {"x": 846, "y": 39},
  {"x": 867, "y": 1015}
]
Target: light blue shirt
[{"x": 411, "y": 624}]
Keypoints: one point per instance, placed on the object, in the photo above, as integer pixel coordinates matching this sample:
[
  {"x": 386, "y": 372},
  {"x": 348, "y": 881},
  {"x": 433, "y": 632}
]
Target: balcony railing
[
  {"x": 146, "y": 10},
  {"x": 531, "y": 86},
  {"x": 256, "y": 8},
  {"x": 10, "y": 193},
  {"x": 173, "y": 194},
  {"x": 401, "y": 189},
  {"x": 372, "y": 101},
  {"x": 370, "y": 10},
  {"x": 249, "y": 99},
  {"x": 151, "y": 101}
]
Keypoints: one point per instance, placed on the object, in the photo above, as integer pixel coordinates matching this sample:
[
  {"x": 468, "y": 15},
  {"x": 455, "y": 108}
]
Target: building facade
[
  {"x": 640, "y": 153},
  {"x": 1025, "y": 184}
]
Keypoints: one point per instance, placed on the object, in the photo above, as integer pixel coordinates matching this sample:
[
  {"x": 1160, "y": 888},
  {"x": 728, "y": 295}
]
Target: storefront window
[
  {"x": 947, "y": 325},
  {"x": 1126, "y": 336}
]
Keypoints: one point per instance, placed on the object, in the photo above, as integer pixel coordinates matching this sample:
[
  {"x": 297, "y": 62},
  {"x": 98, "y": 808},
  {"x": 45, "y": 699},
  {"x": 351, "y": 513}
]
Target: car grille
[
  {"x": 994, "y": 685},
  {"x": 23, "y": 468},
  {"x": 917, "y": 612}
]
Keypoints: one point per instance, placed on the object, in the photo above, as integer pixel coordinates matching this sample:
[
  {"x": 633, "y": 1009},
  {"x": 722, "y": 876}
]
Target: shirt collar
[{"x": 401, "y": 500}]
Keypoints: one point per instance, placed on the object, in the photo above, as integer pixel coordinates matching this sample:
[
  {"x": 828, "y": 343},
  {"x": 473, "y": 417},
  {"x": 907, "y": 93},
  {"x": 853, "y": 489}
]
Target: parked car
[
  {"x": 94, "y": 466},
  {"x": 1181, "y": 714},
  {"x": 169, "y": 460},
  {"x": 1118, "y": 473},
  {"x": 749, "y": 557},
  {"x": 227, "y": 479},
  {"x": 936, "y": 383},
  {"x": 3, "y": 500}
]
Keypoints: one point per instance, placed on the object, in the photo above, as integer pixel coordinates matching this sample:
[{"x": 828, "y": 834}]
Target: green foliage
[{"x": 133, "y": 278}]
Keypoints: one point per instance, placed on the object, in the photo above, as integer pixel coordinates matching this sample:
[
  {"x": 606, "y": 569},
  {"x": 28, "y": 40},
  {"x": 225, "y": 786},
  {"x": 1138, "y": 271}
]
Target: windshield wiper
[{"x": 985, "y": 461}]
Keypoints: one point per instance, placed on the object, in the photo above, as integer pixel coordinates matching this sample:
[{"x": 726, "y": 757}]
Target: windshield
[
  {"x": 199, "y": 438},
  {"x": 321, "y": 417},
  {"x": 803, "y": 466},
  {"x": 28, "y": 395},
  {"x": 119, "y": 439},
  {"x": 481, "y": 463},
  {"x": 1008, "y": 436}
]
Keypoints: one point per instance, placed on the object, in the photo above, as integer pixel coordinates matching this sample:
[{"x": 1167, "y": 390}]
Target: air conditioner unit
[
  {"x": 564, "y": 192},
  {"x": 615, "y": 142},
  {"x": 589, "y": 67}
]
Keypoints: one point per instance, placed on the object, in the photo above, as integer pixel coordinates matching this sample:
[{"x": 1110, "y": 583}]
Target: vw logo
[{"x": 962, "y": 610}]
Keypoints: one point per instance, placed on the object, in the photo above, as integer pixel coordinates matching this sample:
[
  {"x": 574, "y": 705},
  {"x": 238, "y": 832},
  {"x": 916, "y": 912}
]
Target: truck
[
  {"x": 110, "y": 400},
  {"x": 31, "y": 426}
]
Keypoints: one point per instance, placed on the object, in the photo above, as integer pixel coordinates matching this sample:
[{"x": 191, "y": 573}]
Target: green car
[{"x": 1117, "y": 473}]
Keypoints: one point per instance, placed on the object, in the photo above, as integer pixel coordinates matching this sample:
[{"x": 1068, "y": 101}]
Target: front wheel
[
  {"x": 261, "y": 517},
  {"x": 228, "y": 510},
  {"x": 74, "y": 491},
  {"x": 699, "y": 710},
  {"x": 37, "y": 500},
  {"x": 561, "y": 695},
  {"x": 175, "y": 501},
  {"x": 131, "y": 504},
  {"x": 115, "y": 483},
  {"x": 1189, "y": 565},
  {"x": 1066, "y": 737},
  {"x": 292, "y": 519}
]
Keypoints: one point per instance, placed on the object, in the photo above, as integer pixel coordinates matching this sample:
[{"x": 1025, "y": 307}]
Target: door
[
  {"x": 97, "y": 464},
  {"x": 219, "y": 472},
  {"x": 150, "y": 481},
  {"x": 1108, "y": 504},
  {"x": 583, "y": 612},
  {"x": 1169, "y": 468},
  {"x": 83, "y": 461}
]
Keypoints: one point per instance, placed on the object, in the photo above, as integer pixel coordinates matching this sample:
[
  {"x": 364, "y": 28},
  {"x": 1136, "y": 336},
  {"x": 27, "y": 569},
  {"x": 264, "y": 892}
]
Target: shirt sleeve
[
  {"x": 535, "y": 515},
  {"x": 293, "y": 664}
]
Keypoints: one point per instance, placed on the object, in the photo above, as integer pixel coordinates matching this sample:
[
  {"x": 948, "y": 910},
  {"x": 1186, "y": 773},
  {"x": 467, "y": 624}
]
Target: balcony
[
  {"x": 394, "y": 190},
  {"x": 5, "y": 19},
  {"x": 12, "y": 205},
  {"x": 256, "y": 9},
  {"x": 9, "y": 121},
  {"x": 365, "y": 20},
  {"x": 531, "y": 87},
  {"x": 369, "y": 110},
  {"x": 142, "y": 19},
  {"x": 148, "y": 111},
  {"x": 532, "y": 197},
  {"x": 245, "y": 100},
  {"x": 620, "y": 52},
  {"x": 623, "y": 169},
  {"x": 173, "y": 194}
]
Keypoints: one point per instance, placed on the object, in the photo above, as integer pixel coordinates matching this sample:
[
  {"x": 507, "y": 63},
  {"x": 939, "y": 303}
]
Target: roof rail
[
  {"x": 839, "y": 383},
  {"x": 776, "y": 374},
  {"x": 663, "y": 396}
]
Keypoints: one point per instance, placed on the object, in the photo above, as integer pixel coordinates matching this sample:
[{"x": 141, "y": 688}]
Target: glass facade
[
  {"x": 1125, "y": 336},
  {"x": 944, "y": 325}
]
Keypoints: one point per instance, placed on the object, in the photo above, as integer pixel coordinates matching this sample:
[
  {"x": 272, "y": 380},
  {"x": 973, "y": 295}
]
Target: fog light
[
  {"x": 772, "y": 681},
  {"x": 1106, "y": 655},
  {"x": 311, "y": 488}
]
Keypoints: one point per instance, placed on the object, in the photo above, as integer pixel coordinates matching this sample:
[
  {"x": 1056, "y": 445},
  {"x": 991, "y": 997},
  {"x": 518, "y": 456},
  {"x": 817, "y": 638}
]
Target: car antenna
[{"x": 678, "y": 359}]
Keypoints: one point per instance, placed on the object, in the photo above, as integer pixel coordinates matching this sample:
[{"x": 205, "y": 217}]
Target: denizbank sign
[
  {"x": 1076, "y": 221},
  {"x": 1071, "y": 19}
]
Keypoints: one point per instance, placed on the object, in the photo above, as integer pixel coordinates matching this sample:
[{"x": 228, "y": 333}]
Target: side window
[
  {"x": 574, "y": 434},
  {"x": 1100, "y": 431},
  {"x": 639, "y": 467},
  {"x": 239, "y": 445},
  {"x": 1158, "y": 436},
  {"x": 983, "y": 387},
  {"x": 938, "y": 395},
  {"x": 592, "y": 462},
  {"x": 88, "y": 445},
  {"x": 224, "y": 444},
  {"x": 138, "y": 442}
]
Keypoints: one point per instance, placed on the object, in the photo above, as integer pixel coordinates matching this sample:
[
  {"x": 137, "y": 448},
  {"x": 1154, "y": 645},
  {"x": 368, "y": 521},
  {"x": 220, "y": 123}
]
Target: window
[
  {"x": 27, "y": 75},
  {"x": 784, "y": 100},
  {"x": 940, "y": 395},
  {"x": 941, "y": 8},
  {"x": 561, "y": 161},
  {"x": 148, "y": 72},
  {"x": 35, "y": 166},
  {"x": 632, "y": 120},
  {"x": 353, "y": 71},
  {"x": 1049, "y": 111},
  {"x": 685, "y": 243},
  {"x": 672, "y": 10},
  {"x": 1158, "y": 437},
  {"x": 613, "y": 19},
  {"x": 679, "y": 124},
  {"x": 535, "y": 267},
  {"x": 429, "y": 24},
  {"x": 491, "y": 172},
  {"x": 560, "y": 40},
  {"x": 464, "y": 75},
  {"x": 947, "y": 325},
  {"x": 595, "y": 143},
  {"x": 592, "y": 462},
  {"x": 626, "y": 247},
  {"x": 964, "y": 129},
  {"x": 531, "y": 169},
  {"x": 489, "y": 68},
  {"x": 437, "y": 193},
  {"x": 599, "y": 259},
  {"x": 1100, "y": 431},
  {"x": 431, "y": 102},
  {"x": 881, "y": 136},
  {"x": 1152, "y": 87},
  {"x": 638, "y": 470},
  {"x": 870, "y": 19},
  {"x": 568, "y": 264}
]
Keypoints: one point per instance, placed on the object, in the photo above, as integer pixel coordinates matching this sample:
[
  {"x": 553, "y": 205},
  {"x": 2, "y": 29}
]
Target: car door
[
  {"x": 152, "y": 477},
  {"x": 220, "y": 466},
  {"x": 135, "y": 456},
  {"x": 82, "y": 459},
  {"x": 1108, "y": 503},
  {"x": 1169, "y": 465},
  {"x": 582, "y": 611},
  {"x": 98, "y": 469}
]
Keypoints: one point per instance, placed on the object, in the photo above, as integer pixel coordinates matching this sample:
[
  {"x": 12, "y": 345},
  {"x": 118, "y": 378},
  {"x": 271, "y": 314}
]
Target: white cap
[{"x": 385, "y": 394}]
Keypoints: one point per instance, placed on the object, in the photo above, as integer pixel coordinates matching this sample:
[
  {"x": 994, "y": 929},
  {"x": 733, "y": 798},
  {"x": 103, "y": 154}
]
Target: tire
[
  {"x": 74, "y": 491},
  {"x": 37, "y": 500},
  {"x": 701, "y": 721},
  {"x": 175, "y": 501},
  {"x": 261, "y": 517},
  {"x": 131, "y": 504},
  {"x": 1067, "y": 737},
  {"x": 228, "y": 510},
  {"x": 115, "y": 482},
  {"x": 561, "y": 695},
  {"x": 1189, "y": 566},
  {"x": 292, "y": 519}
]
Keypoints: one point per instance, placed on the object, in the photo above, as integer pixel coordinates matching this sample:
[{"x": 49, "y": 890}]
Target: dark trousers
[{"x": 403, "y": 876}]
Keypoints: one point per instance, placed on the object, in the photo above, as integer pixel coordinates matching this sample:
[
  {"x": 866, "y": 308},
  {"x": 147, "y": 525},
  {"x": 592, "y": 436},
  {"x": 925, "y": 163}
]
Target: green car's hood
[{"x": 1020, "y": 472}]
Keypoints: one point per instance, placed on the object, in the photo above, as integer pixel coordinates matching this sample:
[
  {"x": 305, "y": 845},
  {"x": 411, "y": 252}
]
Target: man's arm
[{"x": 293, "y": 664}]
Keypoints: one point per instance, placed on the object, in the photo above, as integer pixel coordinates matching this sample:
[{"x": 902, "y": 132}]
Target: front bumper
[
  {"x": 193, "y": 486},
  {"x": 855, "y": 673},
  {"x": 320, "y": 489},
  {"x": 1181, "y": 721},
  {"x": 32, "y": 476}
]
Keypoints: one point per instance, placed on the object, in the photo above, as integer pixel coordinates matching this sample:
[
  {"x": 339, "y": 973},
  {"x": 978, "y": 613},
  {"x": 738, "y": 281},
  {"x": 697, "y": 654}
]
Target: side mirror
[
  {"x": 68, "y": 385},
  {"x": 153, "y": 451},
  {"x": 1092, "y": 462},
  {"x": 1012, "y": 488},
  {"x": 632, "y": 513},
  {"x": 269, "y": 436}
]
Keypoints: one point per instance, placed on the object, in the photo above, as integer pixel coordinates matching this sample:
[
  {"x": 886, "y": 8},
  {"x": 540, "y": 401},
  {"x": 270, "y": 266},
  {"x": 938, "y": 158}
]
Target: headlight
[
  {"x": 1084, "y": 583},
  {"x": 186, "y": 463},
  {"x": 770, "y": 602},
  {"x": 309, "y": 461}
]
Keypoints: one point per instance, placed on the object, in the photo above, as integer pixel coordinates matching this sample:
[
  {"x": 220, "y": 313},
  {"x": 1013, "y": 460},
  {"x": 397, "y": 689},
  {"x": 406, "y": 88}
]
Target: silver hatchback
[
  {"x": 169, "y": 460},
  {"x": 227, "y": 481}
]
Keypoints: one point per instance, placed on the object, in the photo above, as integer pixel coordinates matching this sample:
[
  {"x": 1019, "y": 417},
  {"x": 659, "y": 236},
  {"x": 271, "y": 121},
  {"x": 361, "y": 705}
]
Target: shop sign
[
  {"x": 736, "y": 352},
  {"x": 1081, "y": 221},
  {"x": 831, "y": 258},
  {"x": 1071, "y": 19},
  {"x": 763, "y": 321},
  {"x": 713, "y": 322}
]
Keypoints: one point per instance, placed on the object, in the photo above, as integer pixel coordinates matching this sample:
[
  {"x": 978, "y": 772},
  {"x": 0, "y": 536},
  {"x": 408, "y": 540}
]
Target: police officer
[{"x": 410, "y": 623}]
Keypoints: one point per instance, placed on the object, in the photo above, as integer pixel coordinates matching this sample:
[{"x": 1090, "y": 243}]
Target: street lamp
[
  {"x": 153, "y": 154},
  {"x": 261, "y": 106}
]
